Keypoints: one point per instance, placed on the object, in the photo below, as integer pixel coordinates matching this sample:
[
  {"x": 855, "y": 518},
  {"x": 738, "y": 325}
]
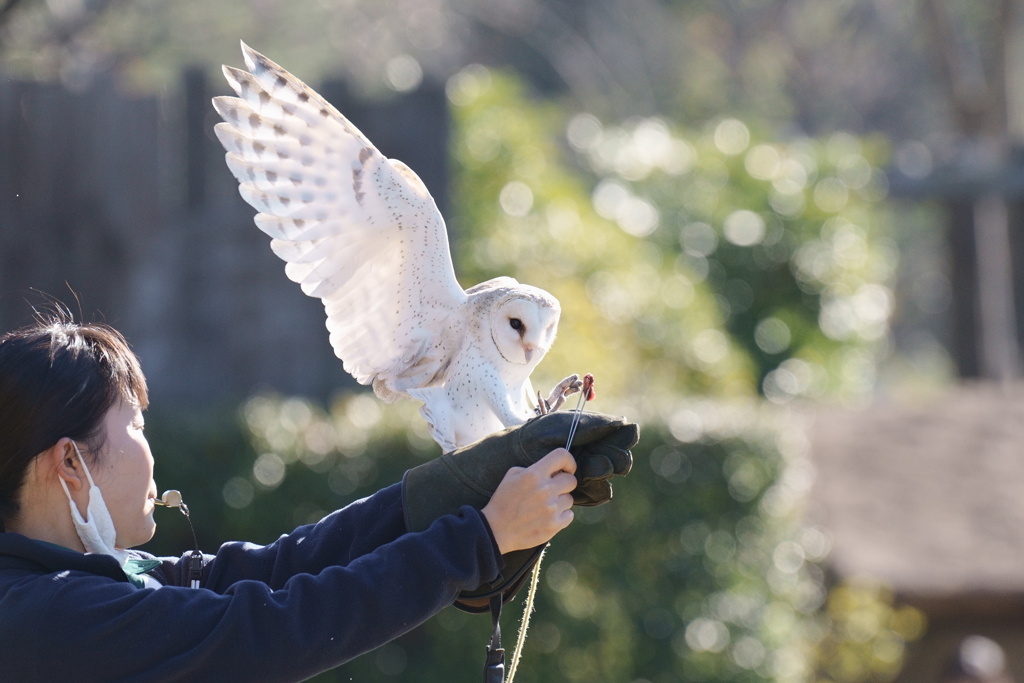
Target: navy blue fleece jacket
[{"x": 283, "y": 612}]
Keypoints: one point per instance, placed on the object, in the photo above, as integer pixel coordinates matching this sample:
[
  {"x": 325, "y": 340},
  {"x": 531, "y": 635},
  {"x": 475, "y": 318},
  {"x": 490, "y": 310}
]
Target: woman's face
[{"x": 124, "y": 473}]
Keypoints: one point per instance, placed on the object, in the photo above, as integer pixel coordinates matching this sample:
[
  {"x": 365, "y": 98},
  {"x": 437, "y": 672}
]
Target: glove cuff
[
  {"x": 517, "y": 569},
  {"x": 442, "y": 486},
  {"x": 445, "y": 484}
]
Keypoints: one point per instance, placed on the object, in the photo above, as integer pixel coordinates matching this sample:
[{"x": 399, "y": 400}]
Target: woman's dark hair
[{"x": 58, "y": 379}]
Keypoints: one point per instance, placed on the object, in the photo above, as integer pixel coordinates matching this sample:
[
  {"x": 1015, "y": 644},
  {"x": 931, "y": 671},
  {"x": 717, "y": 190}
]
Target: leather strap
[{"x": 494, "y": 667}]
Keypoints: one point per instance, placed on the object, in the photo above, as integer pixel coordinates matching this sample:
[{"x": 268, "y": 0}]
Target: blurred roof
[{"x": 929, "y": 496}]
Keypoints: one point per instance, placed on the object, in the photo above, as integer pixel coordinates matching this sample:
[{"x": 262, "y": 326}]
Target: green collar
[{"x": 134, "y": 569}]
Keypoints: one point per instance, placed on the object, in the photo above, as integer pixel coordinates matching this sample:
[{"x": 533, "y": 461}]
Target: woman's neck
[
  {"x": 44, "y": 513},
  {"x": 32, "y": 527}
]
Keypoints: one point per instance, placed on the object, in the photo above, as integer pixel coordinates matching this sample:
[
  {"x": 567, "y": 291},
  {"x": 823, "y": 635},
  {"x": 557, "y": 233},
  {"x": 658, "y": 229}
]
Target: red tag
[{"x": 588, "y": 387}]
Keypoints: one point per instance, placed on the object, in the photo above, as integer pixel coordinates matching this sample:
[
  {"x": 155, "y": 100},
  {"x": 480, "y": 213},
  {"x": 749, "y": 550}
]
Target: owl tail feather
[{"x": 437, "y": 413}]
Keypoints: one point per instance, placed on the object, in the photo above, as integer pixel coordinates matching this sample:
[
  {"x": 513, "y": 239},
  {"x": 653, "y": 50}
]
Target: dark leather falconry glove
[{"x": 470, "y": 475}]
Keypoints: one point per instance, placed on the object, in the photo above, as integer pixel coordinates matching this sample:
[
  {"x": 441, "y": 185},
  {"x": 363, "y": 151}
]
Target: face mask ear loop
[
  {"x": 92, "y": 484},
  {"x": 64, "y": 485},
  {"x": 84, "y": 466},
  {"x": 98, "y": 534}
]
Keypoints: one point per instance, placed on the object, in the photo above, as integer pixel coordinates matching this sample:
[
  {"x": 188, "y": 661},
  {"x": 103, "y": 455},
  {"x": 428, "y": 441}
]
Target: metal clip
[
  {"x": 494, "y": 670},
  {"x": 195, "y": 569},
  {"x": 172, "y": 499}
]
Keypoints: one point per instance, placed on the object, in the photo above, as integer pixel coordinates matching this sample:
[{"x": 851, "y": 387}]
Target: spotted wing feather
[{"x": 357, "y": 230}]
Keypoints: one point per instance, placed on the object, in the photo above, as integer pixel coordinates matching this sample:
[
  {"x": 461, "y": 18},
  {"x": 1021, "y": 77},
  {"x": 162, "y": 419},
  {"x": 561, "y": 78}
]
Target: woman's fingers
[
  {"x": 531, "y": 505},
  {"x": 563, "y": 482},
  {"x": 558, "y": 460}
]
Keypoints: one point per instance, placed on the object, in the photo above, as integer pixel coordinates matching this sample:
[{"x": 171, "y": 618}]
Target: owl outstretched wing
[{"x": 357, "y": 230}]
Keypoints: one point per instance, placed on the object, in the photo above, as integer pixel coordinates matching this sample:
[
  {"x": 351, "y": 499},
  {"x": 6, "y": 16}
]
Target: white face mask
[{"x": 98, "y": 534}]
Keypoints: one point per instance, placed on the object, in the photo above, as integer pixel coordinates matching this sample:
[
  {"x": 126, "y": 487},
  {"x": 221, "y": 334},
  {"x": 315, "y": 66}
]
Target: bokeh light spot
[
  {"x": 744, "y": 228},
  {"x": 772, "y": 335},
  {"x": 732, "y": 136},
  {"x": 238, "y": 493},
  {"x": 269, "y": 470},
  {"x": 403, "y": 73},
  {"x": 516, "y": 199}
]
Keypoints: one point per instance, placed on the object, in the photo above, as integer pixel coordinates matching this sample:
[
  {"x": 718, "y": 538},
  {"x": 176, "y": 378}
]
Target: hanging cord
[
  {"x": 587, "y": 394},
  {"x": 172, "y": 499},
  {"x": 525, "y": 623},
  {"x": 494, "y": 668}
]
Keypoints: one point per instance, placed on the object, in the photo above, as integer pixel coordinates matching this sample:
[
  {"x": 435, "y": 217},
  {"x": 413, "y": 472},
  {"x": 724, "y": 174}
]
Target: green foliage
[
  {"x": 696, "y": 571},
  {"x": 699, "y": 258},
  {"x": 231, "y": 466},
  {"x": 867, "y": 635},
  {"x": 789, "y": 235},
  {"x": 630, "y": 315}
]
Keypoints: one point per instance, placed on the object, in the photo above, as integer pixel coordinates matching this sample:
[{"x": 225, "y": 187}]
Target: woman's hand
[{"x": 532, "y": 504}]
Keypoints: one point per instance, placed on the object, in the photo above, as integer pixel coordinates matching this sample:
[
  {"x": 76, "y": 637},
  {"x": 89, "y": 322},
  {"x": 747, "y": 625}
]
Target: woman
[{"x": 77, "y": 491}]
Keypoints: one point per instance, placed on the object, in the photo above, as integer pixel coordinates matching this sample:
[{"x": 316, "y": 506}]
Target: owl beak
[{"x": 528, "y": 352}]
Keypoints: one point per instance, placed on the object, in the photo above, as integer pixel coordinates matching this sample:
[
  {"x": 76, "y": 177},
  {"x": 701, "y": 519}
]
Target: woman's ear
[{"x": 66, "y": 464}]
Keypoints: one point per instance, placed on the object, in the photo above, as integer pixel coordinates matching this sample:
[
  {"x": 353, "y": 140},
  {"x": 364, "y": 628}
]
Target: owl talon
[
  {"x": 543, "y": 406},
  {"x": 567, "y": 387}
]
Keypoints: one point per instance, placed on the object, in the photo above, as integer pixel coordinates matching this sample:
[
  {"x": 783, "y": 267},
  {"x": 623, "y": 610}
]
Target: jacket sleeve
[
  {"x": 266, "y": 618},
  {"x": 337, "y": 539}
]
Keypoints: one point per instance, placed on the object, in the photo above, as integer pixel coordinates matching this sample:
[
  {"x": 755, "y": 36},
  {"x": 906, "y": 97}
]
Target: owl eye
[{"x": 516, "y": 323}]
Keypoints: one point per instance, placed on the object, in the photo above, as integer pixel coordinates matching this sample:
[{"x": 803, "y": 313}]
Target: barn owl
[{"x": 361, "y": 233}]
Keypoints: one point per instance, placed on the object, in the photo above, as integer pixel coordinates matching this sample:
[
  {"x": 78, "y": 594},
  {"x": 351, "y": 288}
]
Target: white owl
[{"x": 361, "y": 232}]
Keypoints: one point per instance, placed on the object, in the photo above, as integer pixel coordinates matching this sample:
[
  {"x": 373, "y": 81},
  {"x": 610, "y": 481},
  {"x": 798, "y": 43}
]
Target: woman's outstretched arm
[
  {"x": 84, "y": 627},
  {"x": 339, "y": 538}
]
